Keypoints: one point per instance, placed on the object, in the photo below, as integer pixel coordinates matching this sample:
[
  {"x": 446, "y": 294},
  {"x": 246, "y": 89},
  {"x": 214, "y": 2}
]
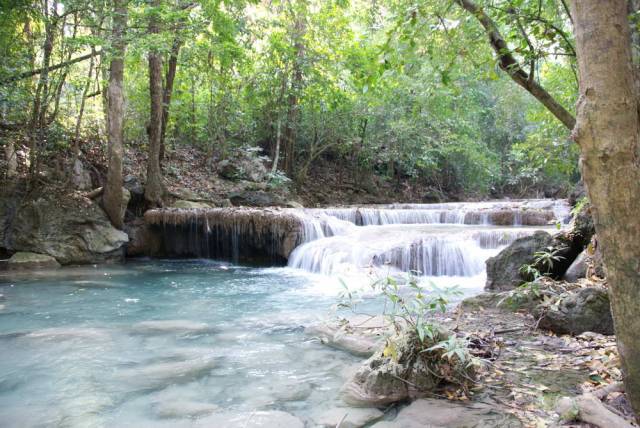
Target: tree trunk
[
  {"x": 290, "y": 133},
  {"x": 12, "y": 160},
  {"x": 168, "y": 91},
  {"x": 38, "y": 113},
  {"x": 608, "y": 132},
  {"x": 112, "y": 196},
  {"x": 154, "y": 190},
  {"x": 85, "y": 92},
  {"x": 276, "y": 156}
]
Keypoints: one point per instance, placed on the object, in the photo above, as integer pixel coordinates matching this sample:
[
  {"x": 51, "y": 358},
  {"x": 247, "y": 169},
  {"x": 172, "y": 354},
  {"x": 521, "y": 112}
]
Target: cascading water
[
  {"x": 453, "y": 239},
  {"x": 450, "y": 239}
]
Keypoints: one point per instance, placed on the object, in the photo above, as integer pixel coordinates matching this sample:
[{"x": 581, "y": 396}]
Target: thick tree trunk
[
  {"x": 608, "y": 132},
  {"x": 154, "y": 190},
  {"x": 112, "y": 196}
]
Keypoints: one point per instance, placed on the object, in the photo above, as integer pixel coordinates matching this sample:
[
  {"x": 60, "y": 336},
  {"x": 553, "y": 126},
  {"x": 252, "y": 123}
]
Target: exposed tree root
[{"x": 588, "y": 408}]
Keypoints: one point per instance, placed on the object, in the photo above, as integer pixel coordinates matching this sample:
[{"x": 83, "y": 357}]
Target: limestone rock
[
  {"x": 171, "y": 326},
  {"x": 70, "y": 228},
  {"x": 362, "y": 341},
  {"x": 264, "y": 419},
  {"x": 578, "y": 268},
  {"x": 163, "y": 374},
  {"x": 587, "y": 309},
  {"x": 183, "y": 409},
  {"x": 256, "y": 198},
  {"x": 243, "y": 165},
  {"x": 436, "y": 413},
  {"x": 346, "y": 417},
  {"x": 25, "y": 260},
  {"x": 405, "y": 372},
  {"x": 190, "y": 204},
  {"x": 270, "y": 234},
  {"x": 503, "y": 270},
  {"x": 142, "y": 242}
]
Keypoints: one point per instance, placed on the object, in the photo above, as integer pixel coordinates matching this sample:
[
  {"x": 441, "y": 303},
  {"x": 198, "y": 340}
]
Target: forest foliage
[{"x": 408, "y": 91}]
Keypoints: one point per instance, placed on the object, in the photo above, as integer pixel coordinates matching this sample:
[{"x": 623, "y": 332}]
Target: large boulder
[
  {"x": 404, "y": 369},
  {"x": 142, "y": 241},
  {"x": 256, "y": 198},
  {"x": 503, "y": 270},
  {"x": 69, "y": 227},
  {"x": 26, "y": 260},
  {"x": 588, "y": 309},
  {"x": 243, "y": 165}
]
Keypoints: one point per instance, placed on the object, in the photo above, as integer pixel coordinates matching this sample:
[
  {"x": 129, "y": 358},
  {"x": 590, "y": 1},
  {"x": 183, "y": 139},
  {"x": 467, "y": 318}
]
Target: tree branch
[
  {"x": 512, "y": 67},
  {"x": 31, "y": 73}
]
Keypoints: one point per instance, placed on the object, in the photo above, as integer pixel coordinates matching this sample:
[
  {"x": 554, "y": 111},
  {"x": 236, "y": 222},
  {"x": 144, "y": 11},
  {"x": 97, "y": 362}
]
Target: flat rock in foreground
[{"x": 436, "y": 413}]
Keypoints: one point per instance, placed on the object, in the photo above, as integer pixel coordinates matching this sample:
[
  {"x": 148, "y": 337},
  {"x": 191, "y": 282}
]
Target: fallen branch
[{"x": 94, "y": 193}]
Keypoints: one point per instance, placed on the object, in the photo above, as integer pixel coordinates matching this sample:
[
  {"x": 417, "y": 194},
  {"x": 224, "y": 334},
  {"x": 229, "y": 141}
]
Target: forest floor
[
  {"x": 531, "y": 368},
  {"x": 327, "y": 183}
]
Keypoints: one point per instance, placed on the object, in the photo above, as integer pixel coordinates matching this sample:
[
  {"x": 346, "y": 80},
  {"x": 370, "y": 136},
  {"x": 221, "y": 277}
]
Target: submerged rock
[
  {"x": 435, "y": 413},
  {"x": 25, "y": 260},
  {"x": 183, "y": 409},
  {"x": 346, "y": 417},
  {"x": 69, "y": 333},
  {"x": 360, "y": 338},
  {"x": 171, "y": 326},
  {"x": 587, "y": 309},
  {"x": 160, "y": 375},
  {"x": 264, "y": 419}
]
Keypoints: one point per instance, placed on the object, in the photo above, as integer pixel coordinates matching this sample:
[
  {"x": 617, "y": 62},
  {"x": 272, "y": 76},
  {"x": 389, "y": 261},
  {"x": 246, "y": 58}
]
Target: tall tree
[
  {"x": 154, "y": 189},
  {"x": 112, "y": 196},
  {"x": 293, "y": 100},
  {"x": 608, "y": 132}
]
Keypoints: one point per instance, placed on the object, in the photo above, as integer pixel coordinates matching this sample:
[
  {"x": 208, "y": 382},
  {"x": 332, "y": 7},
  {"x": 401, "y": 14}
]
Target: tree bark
[
  {"x": 11, "y": 158},
  {"x": 112, "y": 196},
  {"x": 290, "y": 132},
  {"x": 168, "y": 91},
  {"x": 510, "y": 65},
  {"x": 154, "y": 190},
  {"x": 608, "y": 132},
  {"x": 85, "y": 92}
]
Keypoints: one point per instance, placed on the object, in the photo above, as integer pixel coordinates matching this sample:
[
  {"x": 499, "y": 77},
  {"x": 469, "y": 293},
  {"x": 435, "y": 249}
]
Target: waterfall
[
  {"x": 449, "y": 239},
  {"x": 454, "y": 251}
]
